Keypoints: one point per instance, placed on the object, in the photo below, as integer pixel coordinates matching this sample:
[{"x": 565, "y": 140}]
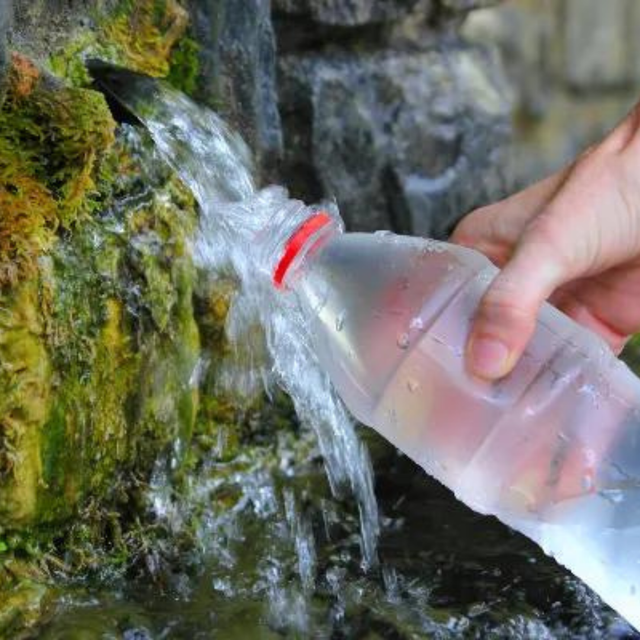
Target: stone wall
[
  {"x": 408, "y": 112},
  {"x": 377, "y": 103},
  {"x": 399, "y": 109},
  {"x": 573, "y": 70},
  {"x": 405, "y": 137}
]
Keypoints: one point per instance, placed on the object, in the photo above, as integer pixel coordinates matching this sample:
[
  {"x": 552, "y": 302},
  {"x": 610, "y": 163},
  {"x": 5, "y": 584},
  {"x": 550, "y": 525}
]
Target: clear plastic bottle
[{"x": 553, "y": 450}]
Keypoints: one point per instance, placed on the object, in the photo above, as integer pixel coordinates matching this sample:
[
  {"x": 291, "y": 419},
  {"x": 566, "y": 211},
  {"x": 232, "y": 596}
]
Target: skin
[{"x": 572, "y": 239}]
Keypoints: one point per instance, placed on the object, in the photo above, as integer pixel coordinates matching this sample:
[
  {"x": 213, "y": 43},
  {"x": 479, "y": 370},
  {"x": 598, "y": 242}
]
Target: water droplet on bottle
[
  {"x": 403, "y": 340},
  {"x": 486, "y": 277},
  {"x": 590, "y": 457},
  {"x": 417, "y": 324},
  {"x": 426, "y": 250},
  {"x": 579, "y": 381},
  {"x": 404, "y": 283},
  {"x": 604, "y": 388},
  {"x": 412, "y": 385},
  {"x": 340, "y": 320}
]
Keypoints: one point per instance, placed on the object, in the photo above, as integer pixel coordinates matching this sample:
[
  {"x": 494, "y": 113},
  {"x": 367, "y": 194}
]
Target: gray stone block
[
  {"x": 406, "y": 141},
  {"x": 237, "y": 58},
  {"x": 525, "y": 37},
  {"x": 467, "y": 5},
  {"x": 41, "y": 27},
  {"x": 348, "y": 13},
  {"x": 596, "y": 54}
]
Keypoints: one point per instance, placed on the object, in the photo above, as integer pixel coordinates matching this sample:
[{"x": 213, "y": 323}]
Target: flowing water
[
  {"x": 280, "y": 551},
  {"x": 215, "y": 164}
]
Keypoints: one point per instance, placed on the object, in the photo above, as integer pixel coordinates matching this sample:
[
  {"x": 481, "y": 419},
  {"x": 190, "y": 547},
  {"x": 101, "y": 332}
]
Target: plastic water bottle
[{"x": 553, "y": 449}]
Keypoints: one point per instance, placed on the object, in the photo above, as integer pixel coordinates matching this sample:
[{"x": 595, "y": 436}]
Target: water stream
[
  {"x": 215, "y": 164},
  {"x": 281, "y": 552}
]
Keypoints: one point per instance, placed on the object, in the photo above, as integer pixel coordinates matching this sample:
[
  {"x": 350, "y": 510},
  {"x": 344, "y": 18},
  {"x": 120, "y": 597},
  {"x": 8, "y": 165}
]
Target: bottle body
[{"x": 553, "y": 449}]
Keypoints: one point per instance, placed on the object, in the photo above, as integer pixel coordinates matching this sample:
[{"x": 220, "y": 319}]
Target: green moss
[
  {"x": 184, "y": 66},
  {"x": 28, "y": 220},
  {"x": 148, "y": 36},
  {"x": 51, "y": 141},
  {"x": 68, "y": 63},
  {"x": 103, "y": 319},
  {"x": 99, "y": 345},
  {"x": 21, "y": 607},
  {"x": 142, "y": 34},
  {"x": 122, "y": 364},
  {"x": 24, "y": 403}
]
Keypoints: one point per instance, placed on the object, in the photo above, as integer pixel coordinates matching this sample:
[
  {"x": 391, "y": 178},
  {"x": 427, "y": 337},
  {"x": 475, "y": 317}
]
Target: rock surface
[
  {"x": 348, "y": 13},
  {"x": 571, "y": 66},
  {"x": 596, "y": 57},
  {"x": 99, "y": 337},
  {"x": 103, "y": 316},
  {"x": 388, "y": 113},
  {"x": 237, "y": 66},
  {"x": 401, "y": 140},
  {"x": 435, "y": 143}
]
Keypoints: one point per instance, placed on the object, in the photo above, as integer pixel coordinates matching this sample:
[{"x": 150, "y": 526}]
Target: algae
[
  {"x": 184, "y": 66},
  {"x": 51, "y": 141},
  {"x": 24, "y": 379},
  {"x": 105, "y": 325},
  {"x": 122, "y": 363},
  {"x": 97, "y": 357},
  {"x": 148, "y": 36}
]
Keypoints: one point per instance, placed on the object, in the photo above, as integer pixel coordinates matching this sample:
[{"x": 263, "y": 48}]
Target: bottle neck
[{"x": 297, "y": 232}]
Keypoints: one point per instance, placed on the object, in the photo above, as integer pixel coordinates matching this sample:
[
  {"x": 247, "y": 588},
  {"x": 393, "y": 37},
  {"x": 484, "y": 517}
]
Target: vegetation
[
  {"x": 51, "y": 143},
  {"x": 148, "y": 36},
  {"x": 103, "y": 316}
]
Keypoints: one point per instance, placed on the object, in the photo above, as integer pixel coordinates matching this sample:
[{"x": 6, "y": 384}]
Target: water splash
[{"x": 215, "y": 163}]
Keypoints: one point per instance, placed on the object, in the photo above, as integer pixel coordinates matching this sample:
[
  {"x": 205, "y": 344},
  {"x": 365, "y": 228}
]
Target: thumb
[{"x": 506, "y": 317}]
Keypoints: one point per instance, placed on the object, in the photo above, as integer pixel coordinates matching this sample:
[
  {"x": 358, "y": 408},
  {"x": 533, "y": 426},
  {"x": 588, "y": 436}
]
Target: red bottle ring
[{"x": 296, "y": 242}]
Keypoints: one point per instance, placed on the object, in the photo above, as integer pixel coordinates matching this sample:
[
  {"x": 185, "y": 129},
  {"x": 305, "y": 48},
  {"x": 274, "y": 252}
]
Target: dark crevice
[
  {"x": 396, "y": 203},
  {"x": 297, "y": 34},
  {"x": 445, "y": 18}
]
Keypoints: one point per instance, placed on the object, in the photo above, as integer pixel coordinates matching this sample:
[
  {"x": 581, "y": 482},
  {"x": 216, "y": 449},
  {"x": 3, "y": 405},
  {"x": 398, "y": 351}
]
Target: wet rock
[
  {"x": 5, "y": 20},
  {"x": 595, "y": 55},
  {"x": 571, "y": 67},
  {"x": 467, "y": 5},
  {"x": 347, "y": 13},
  {"x": 407, "y": 141},
  {"x": 42, "y": 26},
  {"x": 237, "y": 69}
]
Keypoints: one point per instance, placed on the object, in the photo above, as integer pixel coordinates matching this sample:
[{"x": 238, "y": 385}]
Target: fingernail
[{"x": 488, "y": 357}]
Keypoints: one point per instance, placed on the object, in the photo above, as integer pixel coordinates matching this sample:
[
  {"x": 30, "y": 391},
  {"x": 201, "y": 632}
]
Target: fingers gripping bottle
[{"x": 553, "y": 450}]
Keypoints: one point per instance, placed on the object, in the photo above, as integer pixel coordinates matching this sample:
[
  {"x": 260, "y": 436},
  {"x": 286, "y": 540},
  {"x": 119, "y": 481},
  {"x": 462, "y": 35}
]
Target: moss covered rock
[
  {"x": 104, "y": 316},
  {"x": 99, "y": 342},
  {"x": 51, "y": 141}
]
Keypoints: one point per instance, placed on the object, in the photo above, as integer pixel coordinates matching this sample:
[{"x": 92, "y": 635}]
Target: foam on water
[{"x": 215, "y": 163}]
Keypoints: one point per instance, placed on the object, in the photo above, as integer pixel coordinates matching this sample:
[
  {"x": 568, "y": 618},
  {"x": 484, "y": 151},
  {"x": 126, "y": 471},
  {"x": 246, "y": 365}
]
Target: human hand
[{"x": 573, "y": 238}]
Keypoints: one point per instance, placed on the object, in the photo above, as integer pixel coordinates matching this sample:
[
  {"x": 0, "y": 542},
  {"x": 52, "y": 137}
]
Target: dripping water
[{"x": 215, "y": 164}]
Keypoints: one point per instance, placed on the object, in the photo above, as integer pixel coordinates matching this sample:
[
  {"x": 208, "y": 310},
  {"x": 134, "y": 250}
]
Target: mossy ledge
[{"x": 105, "y": 321}]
